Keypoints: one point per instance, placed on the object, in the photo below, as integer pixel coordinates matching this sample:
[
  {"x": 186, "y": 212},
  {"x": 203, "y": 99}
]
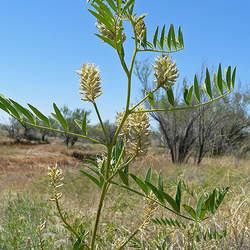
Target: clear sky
[{"x": 43, "y": 42}]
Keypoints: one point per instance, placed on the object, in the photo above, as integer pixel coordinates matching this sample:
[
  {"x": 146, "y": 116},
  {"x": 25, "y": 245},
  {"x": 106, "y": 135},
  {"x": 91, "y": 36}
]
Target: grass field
[{"x": 25, "y": 192}]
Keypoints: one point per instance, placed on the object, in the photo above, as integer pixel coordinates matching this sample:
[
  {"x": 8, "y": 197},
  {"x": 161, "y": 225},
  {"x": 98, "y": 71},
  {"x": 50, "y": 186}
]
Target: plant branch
[
  {"x": 130, "y": 237},
  {"x": 184, "y": 108},
  {"x": 144, "y": 98},
  {"x": 58, "y": 131},
  {"x": 61, "y": 215}
]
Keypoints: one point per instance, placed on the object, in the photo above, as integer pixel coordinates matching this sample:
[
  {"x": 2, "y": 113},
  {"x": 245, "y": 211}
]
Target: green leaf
[
  {"x": 160, "y": 182},
  {"x": 166, "y": 43},
  {"x": 60, "y": 118},
  {"x": 180, "y": 37},
  {"x": 105, "y": 8},
  {"x": 169, "y": 38},
  {"x": 208, "y": 84},
  {"x": 228, "y": 77},
  {"x": 112, "y": 5},
  {"x": 173, "y": 35},
  {"x": 148, "y": 175},
  {"x": 84, "y": 124},
  {"x": 40, "y": 115},
  {"x": 185, "y": 95},
  {"x": 92, "y": 178},
  {"x": 108, "y": 18},
  {"x": 8, "y": 105},
  {"x": 189, "y": 95},
  {"x": 140, "y": 183},
  {"x": 119, "y": 4},
  {"x": 196, "y": 89},
  {"x": 95, "y": 170},
  {"x": 155, "y": 36},
  {"x": 118, "y": 150},
  {"x": 200, "y": 204},
  {"x": 102, "y": 20},
  {"x": 219, "y": 79},
  {"x": 79, "y": 123},
  {"x": 171, "y": 201},
  {"x": 93, "y": 163},
  {"x": 151, "y": 99},
  {"x": 178, "y": 196},
  {"x": 221, "y": 197},
  {"x": 127, "y": 5},
  {"x": 4, "y": 108},
  {"x": 216, "y": 84},
  {"x": 77, "y": 244},
  {"x": 156, "y": 192},
  {"x": 150, "y": 45},
  {"x": 106, "y": 40},
  {"x": 170, "y": 95},
  {"x": 124, "y": 177},
  {"x": 162, "y": 37},
  {"x": 210, "y": 203},
  {"x": 233, "y": 77},
  {"x": 24, "y": 111},
  {"x": 144, "y": 39},
  {"x": 190, "y": 211}
]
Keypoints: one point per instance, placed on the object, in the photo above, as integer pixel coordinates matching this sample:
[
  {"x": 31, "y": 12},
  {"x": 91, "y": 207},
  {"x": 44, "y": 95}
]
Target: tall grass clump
[{"x": 112, "y": 169}]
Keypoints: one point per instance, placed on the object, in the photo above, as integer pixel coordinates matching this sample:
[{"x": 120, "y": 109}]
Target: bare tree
[{"x": 215, "y": 128}]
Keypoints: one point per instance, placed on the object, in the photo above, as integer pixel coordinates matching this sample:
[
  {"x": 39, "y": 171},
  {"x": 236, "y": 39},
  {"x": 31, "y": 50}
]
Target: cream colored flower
[
  {"x": 108, "y": 33},
  {"x": 165, "y": 71},
  {"x": 56, "y": 177},
  {"x": 136, "y": 130},
  {"x": 90, "y": 81}
]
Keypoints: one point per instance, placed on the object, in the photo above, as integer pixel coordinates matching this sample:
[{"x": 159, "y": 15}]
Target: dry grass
[{"x": 24, "y": 167}]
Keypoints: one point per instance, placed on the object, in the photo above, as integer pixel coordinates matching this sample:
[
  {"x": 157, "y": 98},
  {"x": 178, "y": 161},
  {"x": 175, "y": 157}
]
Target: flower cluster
[
  {"x": 140, "y": 27},
  {"x": 56, "y": 177},
  {"x": 90, "y": 81},
  {"x": 108, "y": 33},
  {"x": 135, "y": 131},
  {"x": 149, "y": 209},
  {"x": 165, "y": 71}
]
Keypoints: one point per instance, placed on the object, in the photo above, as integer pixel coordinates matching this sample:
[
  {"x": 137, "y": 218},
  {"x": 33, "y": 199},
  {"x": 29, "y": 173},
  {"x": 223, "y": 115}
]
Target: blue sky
[{"x": 43, "y": 42}]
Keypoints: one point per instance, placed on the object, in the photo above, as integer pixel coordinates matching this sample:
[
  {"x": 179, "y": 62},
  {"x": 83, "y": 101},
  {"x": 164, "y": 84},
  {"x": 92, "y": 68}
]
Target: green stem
[
  {"x": 100, "y": 120},
  {"x": 129, "y": 76},
  {"x": 97, "y": 219},
  {"x": 145, "y": 97},
  {"x": 64, "y": 220},
  {"x": 58, "y": 131},
  {"x": 184, "y": 108},
  {"x": 130, "y": 237},
  {"x": 103, "y": 194}
]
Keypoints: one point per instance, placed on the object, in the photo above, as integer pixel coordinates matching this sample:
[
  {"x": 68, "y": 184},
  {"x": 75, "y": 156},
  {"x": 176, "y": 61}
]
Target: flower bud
[
  {"x": 108, "y": 33},
  {"x": 140, "y": 27},
  {"x": 90, "y": 81},
  {"x": 165, "y": 70}
]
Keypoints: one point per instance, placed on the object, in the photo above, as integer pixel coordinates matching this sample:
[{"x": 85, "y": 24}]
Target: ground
[{"x": 25, "y": 192}]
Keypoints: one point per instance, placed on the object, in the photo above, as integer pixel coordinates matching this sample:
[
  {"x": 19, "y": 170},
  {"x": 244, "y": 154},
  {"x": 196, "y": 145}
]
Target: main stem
[
  {"x": 111, "y": 145},
  {"x": 103, "y": 194},
  {"x": 104, "y": 191}
]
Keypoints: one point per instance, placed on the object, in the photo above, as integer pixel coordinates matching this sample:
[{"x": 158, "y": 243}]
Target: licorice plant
[{"x": 131, "y": 137}]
